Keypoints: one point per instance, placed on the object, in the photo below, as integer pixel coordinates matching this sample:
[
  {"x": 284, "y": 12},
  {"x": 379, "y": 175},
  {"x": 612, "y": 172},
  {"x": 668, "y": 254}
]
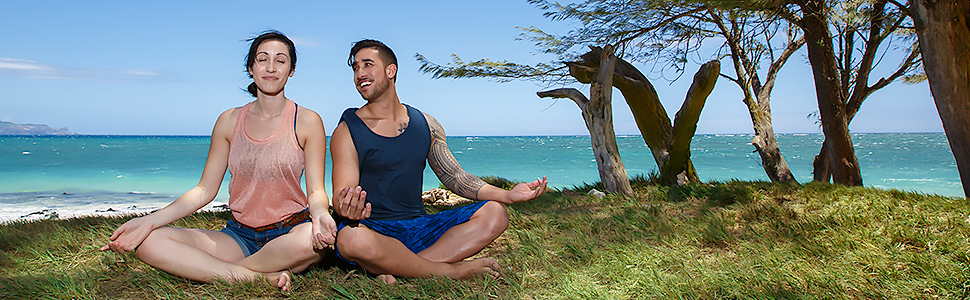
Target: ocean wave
[
  {"x": 909, "y": 180},
  {"x": 55, "y": 204}
]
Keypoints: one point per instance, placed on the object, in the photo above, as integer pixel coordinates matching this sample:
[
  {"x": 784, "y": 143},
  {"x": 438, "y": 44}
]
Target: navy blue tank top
[{"x": 391, "y": 168}]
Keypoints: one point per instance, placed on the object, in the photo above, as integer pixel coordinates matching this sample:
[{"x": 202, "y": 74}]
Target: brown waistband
[{"x": 293, "y": 219}]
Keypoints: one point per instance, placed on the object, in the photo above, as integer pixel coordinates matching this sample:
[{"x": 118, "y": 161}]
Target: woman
[{"x": 266, "y": 146}]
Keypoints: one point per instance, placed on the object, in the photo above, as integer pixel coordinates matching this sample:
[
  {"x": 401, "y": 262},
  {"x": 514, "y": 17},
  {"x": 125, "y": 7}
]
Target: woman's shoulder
[
  {"x": 304, "y": 114},
  {"x": 229, "y": 115}
]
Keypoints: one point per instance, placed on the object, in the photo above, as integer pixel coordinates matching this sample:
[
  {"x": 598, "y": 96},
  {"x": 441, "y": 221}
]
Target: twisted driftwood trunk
[{"x": 670, "y": 145}]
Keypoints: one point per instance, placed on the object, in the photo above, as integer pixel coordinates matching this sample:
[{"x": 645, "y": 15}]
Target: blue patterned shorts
[{"x": 419, "y": 233}]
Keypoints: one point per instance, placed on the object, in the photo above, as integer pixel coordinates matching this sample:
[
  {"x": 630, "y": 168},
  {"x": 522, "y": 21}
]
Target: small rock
[
  {"x": 442, "y": 197},
  {"x": 596, "y": 193}
]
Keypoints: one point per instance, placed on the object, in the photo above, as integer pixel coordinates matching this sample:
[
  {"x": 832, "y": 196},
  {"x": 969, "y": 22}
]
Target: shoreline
[
  {"x": 76, "y": 135},
  {"x": 132, "y": 207},
  {"x": 435, "y": 196},
  {"x": 7, "y": 218}
]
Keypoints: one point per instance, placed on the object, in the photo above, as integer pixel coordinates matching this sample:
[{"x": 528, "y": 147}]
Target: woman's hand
[
  {"x": 129, "y": 235},
  {"x": 324, "y": 232}
]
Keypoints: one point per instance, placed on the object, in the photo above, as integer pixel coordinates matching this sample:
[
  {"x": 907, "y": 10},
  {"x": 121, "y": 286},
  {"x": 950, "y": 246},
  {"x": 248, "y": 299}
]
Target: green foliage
[
  {"x": 499, "y": 182},
  {"x": 718, "y": 240},
  {"x": 501, "y": 71},
  {"x": 642, "y": 31}
]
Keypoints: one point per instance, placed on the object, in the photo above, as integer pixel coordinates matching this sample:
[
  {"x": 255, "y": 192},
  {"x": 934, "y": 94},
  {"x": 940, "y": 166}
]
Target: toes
[
  {"x": 387, "y": 278},
  {"x": 493, "y": 265},
  {"x": 492, "y": 273},
  {"x": 285, "y": 281}
]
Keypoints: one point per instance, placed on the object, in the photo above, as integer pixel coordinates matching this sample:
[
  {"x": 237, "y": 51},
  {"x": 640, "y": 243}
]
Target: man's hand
[
  {"x": 324, "y": 232},
  {"x": 528, "y": 191},
  {"x": 353, "y": 204}
]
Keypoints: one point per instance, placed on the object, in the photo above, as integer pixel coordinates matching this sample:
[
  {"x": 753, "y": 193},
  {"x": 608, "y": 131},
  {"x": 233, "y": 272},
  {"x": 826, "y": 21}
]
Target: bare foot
[
  {"x": 387, "y": 278},
  {"x": 470, "y": 268},
  {"x": 283, "y": 280}
]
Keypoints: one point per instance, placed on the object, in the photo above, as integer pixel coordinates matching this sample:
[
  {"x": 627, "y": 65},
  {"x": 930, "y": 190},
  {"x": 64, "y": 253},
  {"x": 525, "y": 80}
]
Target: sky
[{"x": 171, "y": 67}]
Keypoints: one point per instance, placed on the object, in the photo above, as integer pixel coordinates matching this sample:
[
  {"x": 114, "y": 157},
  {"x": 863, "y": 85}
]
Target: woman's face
[{"x": 271, "y": 67}]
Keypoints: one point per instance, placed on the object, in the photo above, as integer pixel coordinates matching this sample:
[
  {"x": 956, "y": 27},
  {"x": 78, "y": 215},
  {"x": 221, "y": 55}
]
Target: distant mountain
[{"x": 7, "y": 128}]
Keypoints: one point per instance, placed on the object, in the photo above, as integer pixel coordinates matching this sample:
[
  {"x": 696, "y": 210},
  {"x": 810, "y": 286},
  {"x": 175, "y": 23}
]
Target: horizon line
[{"x": 532, "y": 135}]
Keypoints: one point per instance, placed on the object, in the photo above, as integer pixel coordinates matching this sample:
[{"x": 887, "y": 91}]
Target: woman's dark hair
[
  {"x": 269, "y": 35},
  {"x": 383, "y": 51}
]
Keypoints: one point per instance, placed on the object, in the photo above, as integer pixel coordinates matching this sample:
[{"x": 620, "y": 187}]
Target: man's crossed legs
[{"x": 431, "y": 245}]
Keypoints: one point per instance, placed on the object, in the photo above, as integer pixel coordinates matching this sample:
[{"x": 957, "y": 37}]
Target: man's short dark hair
[{"x": 383, "y": 51}]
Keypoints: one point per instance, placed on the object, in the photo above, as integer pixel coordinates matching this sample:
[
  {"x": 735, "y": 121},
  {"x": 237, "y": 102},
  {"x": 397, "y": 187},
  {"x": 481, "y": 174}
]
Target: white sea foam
[
  {"x": 43, "y": 205},
  {"x": 909, "y": 180}
]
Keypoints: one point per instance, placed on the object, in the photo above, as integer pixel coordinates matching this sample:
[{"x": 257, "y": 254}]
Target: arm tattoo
[{"x": 444, "y": 164}]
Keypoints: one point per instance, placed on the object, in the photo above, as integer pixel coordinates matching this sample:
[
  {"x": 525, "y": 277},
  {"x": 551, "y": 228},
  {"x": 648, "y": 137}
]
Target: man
[{"x": 379, "y": 153}]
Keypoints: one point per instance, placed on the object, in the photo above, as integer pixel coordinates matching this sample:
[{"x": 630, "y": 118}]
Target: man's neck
[{"x": 388, "y": 106}]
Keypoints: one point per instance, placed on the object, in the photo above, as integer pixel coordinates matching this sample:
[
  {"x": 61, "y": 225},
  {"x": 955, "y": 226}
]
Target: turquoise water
[{"x": 84, "y": 174}]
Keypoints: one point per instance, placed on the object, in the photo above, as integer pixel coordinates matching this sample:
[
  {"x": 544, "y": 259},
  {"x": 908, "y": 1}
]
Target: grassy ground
[{"x": 707, "y": 241}]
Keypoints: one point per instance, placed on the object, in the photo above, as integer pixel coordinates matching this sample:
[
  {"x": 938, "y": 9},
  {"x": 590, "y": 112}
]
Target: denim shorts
[
  {"x": 251, "y": 241},
  {"x": 418, "y": 233}
]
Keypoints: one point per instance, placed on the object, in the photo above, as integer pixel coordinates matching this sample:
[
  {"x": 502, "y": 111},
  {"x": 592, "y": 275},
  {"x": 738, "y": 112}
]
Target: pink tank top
[{"x": 264, "y": 187}]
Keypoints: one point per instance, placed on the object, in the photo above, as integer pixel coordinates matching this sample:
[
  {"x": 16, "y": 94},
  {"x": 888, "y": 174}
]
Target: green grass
[{"x": 701, "y": 241}]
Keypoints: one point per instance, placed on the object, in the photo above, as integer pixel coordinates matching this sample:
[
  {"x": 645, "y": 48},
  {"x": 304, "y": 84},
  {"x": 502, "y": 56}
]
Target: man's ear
[{"x": 391, "y": 71}]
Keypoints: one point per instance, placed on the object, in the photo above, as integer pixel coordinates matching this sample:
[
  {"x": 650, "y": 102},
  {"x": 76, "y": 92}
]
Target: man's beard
[{"x": 378, "y": 88}]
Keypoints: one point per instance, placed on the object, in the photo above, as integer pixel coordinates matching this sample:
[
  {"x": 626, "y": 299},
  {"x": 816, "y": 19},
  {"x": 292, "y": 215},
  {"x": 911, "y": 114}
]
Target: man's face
[{"x": 371, "y": 76}]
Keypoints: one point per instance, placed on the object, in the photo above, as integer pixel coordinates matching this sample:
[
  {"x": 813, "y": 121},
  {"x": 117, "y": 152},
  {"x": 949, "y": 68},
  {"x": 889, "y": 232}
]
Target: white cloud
[
  {"x": 31, "y": 69},
  {"x": 142, "y": 73},
  {"x": 304, "y": 42},
  {"x": 20, "y": 64}
]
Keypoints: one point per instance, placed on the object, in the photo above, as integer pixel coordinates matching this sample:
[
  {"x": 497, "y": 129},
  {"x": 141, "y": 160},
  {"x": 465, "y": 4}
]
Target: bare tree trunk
[
  {"x": 651, "y": 118},
  {"x": 831, "y": 101},
  {"x": 881, "y": 25},
  {"x": 771, "y": 159},
  {"x": 598, "y": 114},
  {"x": 685, "y": 123},
  {"x": 820, "y": 166},
  {"x": 943, "y": 30},
  {"x": 612, "y": 173},
  {"x": 670, "y": 145},
  {"x": 601, "y": 108},
  {"x": 757, "y": 96}
]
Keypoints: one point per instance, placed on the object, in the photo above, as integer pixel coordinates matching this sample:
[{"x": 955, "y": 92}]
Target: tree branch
[
  {"x": 777, "y": 64},
  {"x": 861, "y": 89},
  {"x": 570, "y": 93},
  {"x": 640, "y": 32}
]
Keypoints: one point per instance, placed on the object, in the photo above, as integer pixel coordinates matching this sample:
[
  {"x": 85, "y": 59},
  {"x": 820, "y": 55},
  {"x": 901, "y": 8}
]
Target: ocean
[{"x": 83, "y": 175}]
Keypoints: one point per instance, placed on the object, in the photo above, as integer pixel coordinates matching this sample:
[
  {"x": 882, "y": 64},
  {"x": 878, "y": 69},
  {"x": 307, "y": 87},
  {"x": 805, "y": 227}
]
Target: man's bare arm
[{"x": 446, "y": 167}]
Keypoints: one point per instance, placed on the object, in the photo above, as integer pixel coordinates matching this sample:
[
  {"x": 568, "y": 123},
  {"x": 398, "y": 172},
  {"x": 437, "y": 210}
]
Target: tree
[
  {"x": 944, "y": 41},
  {"x": 668, "y": 144},
  {"x": 749, "y": 36},
  {"x": 667, "y": 32},
  {"x": 598, "y": 114},
  {"x": 669, "y": 147},
  {"x": 842, "y": 64},
  {"x": 841, "y": 79}
]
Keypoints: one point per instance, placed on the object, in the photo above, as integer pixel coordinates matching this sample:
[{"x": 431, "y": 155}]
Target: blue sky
[{"x": 170, "y": 68}]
